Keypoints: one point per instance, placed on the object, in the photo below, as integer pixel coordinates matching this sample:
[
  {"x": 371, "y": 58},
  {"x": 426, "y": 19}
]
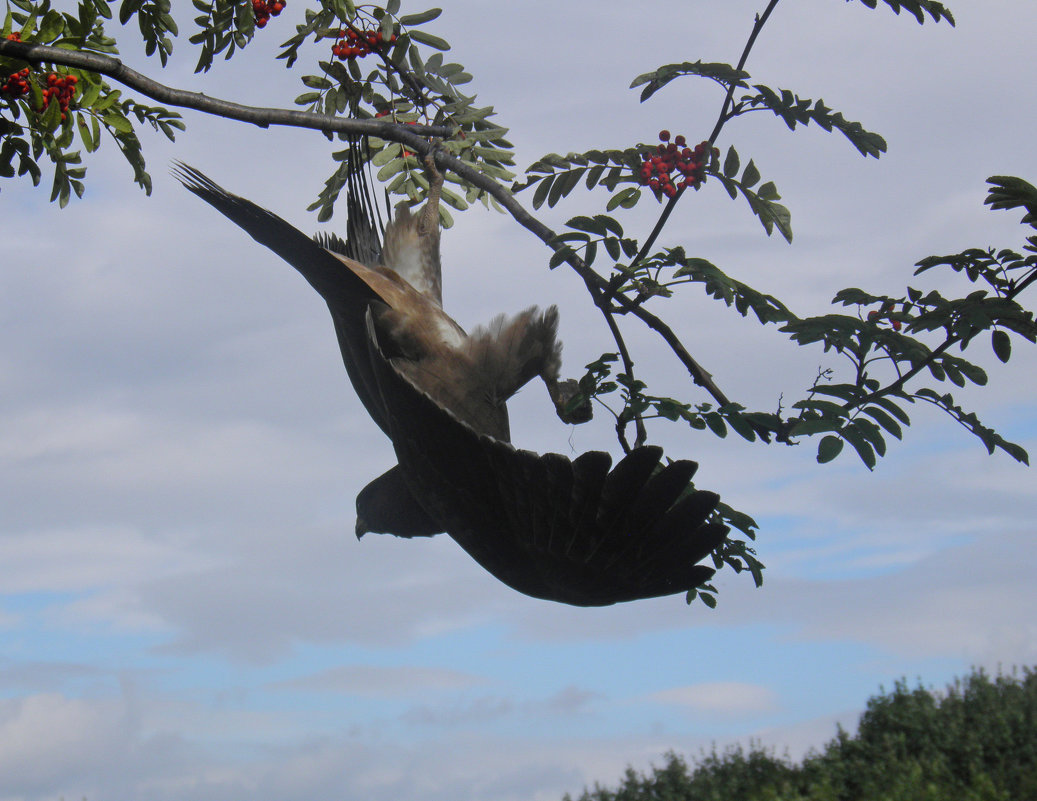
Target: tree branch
[
  {"x": 263, "y": 117},
  {"x": 412, "y": 136}
]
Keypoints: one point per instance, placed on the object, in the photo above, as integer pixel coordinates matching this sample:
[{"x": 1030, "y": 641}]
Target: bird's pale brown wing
[{"x": 569, "y": 531}]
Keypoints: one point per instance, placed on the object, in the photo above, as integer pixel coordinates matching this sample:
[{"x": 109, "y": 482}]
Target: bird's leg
[
  {"x": 565, "y": 395},
  {"x": 562, "y": 394},
  {"x": 428, "y": 223}
]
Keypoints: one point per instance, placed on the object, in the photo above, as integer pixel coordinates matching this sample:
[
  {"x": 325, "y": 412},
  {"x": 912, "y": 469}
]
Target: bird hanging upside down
[{"x": 567, "y": 531}]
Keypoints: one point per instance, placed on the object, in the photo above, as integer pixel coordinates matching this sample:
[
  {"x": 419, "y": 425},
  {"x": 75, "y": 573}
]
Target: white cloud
[
  {"x": 49, "y": 742},
  {"x": 724, "y": 698},
  {"x": 70, "y": 560},
  {"x": 971, "y": 602},
  {"x": 388, "y": 681}
]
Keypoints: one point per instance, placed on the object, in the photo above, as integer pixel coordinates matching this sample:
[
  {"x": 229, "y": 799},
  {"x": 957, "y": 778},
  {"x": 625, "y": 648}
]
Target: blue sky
[{"x": 184, "y": 611}]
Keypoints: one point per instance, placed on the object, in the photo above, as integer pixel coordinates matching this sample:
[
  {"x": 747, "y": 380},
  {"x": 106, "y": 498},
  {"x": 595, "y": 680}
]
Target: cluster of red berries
[
  {"x": 14, "y": 37},
  {"x": 264, "y": 10},
  {"x": 16, "y": 85},
  {"x": 61, "y": 87},
  {"x": 353, "y": 45},
  {"x": 674, "y": 165}
]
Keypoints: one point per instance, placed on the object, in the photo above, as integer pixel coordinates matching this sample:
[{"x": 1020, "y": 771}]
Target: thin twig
[
  {"x": 628, "y": 366},
  {"x": 761, "y": 20}
]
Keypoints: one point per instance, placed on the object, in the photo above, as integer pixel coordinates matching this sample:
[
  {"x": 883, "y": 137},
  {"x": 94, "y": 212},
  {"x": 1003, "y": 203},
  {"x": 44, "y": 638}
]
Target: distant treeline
[{"x": 976, "y": 741}]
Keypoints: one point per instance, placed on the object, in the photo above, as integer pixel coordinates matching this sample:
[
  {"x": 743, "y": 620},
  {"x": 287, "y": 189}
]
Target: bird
[{"x": 580, "y": 532}]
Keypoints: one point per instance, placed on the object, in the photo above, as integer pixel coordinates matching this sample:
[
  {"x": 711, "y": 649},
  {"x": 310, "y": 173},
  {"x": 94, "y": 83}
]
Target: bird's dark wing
[
  {"x": 348, "y": 298},
  {"x": 347, "y": 295},
  {"x": 567, "y": 531}
]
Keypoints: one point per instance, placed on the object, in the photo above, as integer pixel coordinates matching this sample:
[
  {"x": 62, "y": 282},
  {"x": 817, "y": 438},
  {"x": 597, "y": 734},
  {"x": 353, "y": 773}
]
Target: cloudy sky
[{"x": 184, "y": 611}]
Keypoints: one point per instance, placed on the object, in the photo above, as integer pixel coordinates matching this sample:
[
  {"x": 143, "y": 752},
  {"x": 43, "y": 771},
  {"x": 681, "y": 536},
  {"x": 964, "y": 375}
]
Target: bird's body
[{"x": 570, "y": 531}]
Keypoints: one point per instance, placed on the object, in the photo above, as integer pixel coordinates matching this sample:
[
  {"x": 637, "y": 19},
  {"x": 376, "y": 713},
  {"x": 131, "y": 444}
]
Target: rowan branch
[
  {"x": 414, "y": 137},
  {"x": 263, "y": 117}
]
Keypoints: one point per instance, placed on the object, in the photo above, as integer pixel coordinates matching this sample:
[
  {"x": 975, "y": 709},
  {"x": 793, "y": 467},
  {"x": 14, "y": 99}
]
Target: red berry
[{"x": 664, "y": 136}]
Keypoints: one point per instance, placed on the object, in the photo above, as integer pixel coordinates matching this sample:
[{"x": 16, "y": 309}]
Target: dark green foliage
[
  {"x": 976, "y": 741},
  {"x": 795, "y": 110},
  {"x": 96, "y": 106},
  {"x": 888, "y": 331},
  {"x": 919, "y": 8},
  {"x": 724, "y": 74}
]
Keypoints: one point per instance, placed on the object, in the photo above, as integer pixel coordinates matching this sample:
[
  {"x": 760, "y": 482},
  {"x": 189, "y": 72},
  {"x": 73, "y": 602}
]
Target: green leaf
[
  {"x": 540, "y": 195},
  {"x": 51, "y": 27},
  {"x": 1002, "y": 344},
  {"x": 742, "y": 427},
  {"x": 814, "y": 425},
  {"x": 588, "y": 224},
  {"x": 855, "y": 436},
  {"x": 828, "y": 449},
  {"x": 751, "y": 174},
  {"x": 731, "y": 163},
  {"x": 871, "y": 433},
  {"x": 893, "y": 409},
  {"x": 430, "y": 40},
  {"x": 316, "y": 82},
  {"x": 884, "y": 420},
  {"x": 84, "y": 133},
  {"x": 420, "y": 18},
  {"x": 626, "y": 198},
  {"x": 716, "y": 424}
]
